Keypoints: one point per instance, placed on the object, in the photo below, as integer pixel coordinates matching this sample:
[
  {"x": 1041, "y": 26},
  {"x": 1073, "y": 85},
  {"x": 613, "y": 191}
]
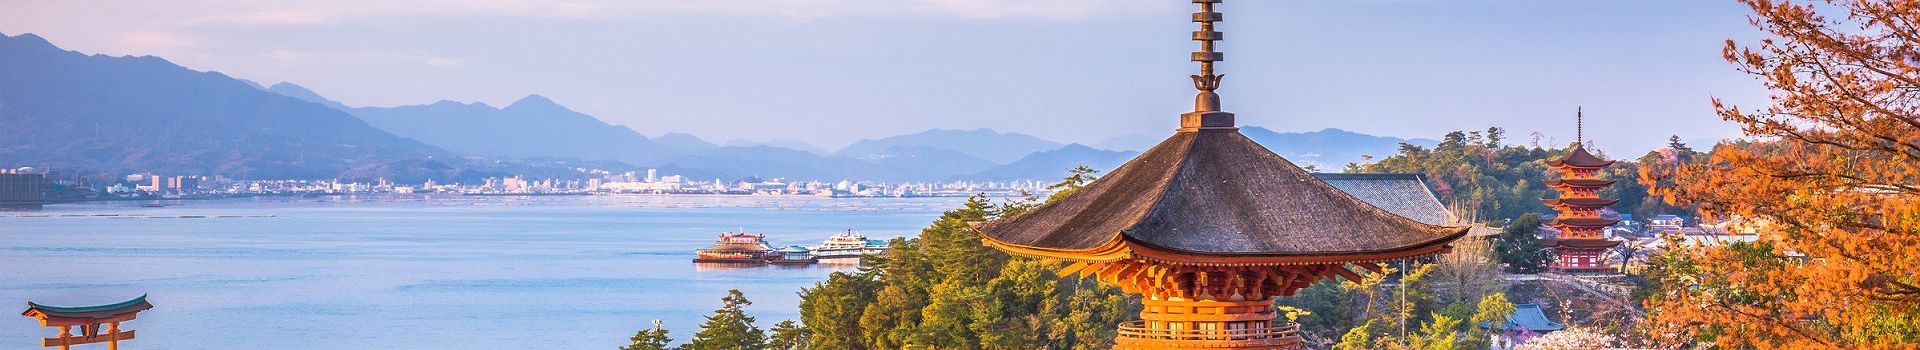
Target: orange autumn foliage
[{"x": 1832, "y": 182}]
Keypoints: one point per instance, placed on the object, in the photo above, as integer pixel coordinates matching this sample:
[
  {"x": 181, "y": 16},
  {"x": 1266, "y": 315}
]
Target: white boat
[{"x": 849, "y": 245}]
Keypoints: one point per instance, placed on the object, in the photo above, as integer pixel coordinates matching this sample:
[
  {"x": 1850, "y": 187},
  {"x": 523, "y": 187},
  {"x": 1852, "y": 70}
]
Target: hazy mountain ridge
[
  {"x": 145, "y": 114},
  {"x": 532, "y": 127},
  {"x": 984, "y": 143},
  {"x": 1329, "y": 149},
  {"x": 106, "y": 114},
  {"x": 1053, "y": 164}
]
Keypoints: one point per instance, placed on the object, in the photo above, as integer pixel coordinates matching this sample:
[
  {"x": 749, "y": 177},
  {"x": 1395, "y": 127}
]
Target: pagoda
[
  {"x": 1208, "y": 227},
  {"x": 1580, "y": 243}
]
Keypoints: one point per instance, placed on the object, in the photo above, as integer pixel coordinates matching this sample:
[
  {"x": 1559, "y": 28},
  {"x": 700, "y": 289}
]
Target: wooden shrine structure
[
  {"x": 1208, "y": 227},
  {"x": 1581, "y": 242},
  {"x": 90, "y": 320}
]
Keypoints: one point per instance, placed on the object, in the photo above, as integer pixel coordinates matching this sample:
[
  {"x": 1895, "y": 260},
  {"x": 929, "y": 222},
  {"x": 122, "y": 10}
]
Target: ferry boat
[
  {"x": 736, "y": 247},
  {"x": 849, "y": 245},
  {"x": 792, "y": 255}
]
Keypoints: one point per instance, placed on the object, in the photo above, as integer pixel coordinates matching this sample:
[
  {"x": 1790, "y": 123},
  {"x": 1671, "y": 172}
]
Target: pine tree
[
  {"x": 729, "y": 328},
  {"x": 1076, "y": 178},
  {"x": 1519, "y": 248},
  {"x": 788, "y": 335},
  {"x": 650, "y": 339}
]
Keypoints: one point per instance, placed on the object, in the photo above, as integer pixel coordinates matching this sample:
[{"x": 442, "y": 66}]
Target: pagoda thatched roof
[{"x": 1213, "y": 193}]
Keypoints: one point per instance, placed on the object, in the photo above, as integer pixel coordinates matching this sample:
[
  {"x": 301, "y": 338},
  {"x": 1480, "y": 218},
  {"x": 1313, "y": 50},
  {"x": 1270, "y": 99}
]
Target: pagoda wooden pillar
[{"x": 1205, "y": 307}]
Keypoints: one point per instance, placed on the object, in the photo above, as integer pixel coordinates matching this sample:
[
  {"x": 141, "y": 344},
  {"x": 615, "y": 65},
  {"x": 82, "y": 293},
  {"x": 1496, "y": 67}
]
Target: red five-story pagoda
[
  {"x": 1580, "y": 243},
  {"x": 1208, "y": 227}
]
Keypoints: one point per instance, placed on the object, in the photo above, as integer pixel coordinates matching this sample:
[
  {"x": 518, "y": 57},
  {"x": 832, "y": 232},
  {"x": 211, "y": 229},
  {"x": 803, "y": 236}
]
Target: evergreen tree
[
  {"x": 788, "y": 335},
  {"x": 832, "y": 310},
  {"x": 1076, "y": 178},
  {"x": 944, "y": 289},
  {"x": 650, "y": 339},
  {"x": 729, "y": 328},
  {"x": 1519, "y": 247}
]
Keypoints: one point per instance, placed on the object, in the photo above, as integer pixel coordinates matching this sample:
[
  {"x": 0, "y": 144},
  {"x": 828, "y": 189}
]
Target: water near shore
[{"x": 418, "y": 272}]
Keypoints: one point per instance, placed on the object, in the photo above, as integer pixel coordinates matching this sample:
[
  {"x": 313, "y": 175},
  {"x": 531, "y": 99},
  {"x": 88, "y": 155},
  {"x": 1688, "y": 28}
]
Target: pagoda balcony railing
[{"x": 1137, "y": 332}]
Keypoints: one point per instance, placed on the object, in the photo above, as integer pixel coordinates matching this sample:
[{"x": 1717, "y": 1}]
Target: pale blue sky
[{"x": 832, "y": 71}]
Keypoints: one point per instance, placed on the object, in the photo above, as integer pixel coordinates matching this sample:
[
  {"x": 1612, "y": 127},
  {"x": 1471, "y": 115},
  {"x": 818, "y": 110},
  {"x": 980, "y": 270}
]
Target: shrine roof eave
[
  {"x": 107, "y": 311},
  {"x": 1559, "y": 183},
  {"x": 1583, "y": 222},
  {"x": 1583, "y": 243},
  {"x": 1127, "y": 248},
  {"x": 1579, "y": 202}
]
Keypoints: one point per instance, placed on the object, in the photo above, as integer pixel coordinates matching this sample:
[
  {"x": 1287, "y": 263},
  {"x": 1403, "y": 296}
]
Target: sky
[{"x": 830, "y": 72}]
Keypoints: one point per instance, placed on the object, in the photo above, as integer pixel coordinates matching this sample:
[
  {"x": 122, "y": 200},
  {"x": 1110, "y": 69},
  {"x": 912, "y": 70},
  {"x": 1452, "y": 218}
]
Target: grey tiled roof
[
  {"x": 1402, "y": 194},
  {"x": 1528, "y": 317}
]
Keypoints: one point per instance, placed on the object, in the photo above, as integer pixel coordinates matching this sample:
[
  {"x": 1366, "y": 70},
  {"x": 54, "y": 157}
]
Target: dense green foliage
[
  {"x": 944, "y": 289},
  {"x": 729, "y": 328},
  {"x": 1491, "y": 182},
  {"x": 650, "y": 339},
  {"x": 788, "y": 335},
  {"x": 1408, "y": 306},
  {"x": 1519, "y": 246},
  {"x": 1476, "y": 173}
]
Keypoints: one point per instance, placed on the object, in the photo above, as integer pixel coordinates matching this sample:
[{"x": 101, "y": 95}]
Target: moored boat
[
  {"x": 792, "y": 255},
  {"x": 847, "y": 245},
  {"x": 736, "y": 247}
]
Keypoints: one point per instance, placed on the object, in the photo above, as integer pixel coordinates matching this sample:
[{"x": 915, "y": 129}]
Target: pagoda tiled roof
[
  {"x": 89, "y": 312},
  {"x": 1581, "y": 243},
  {"x": 1579, "y": 182},
  {"x": 1579, "y": 157},
  {"x": 1214, "y": 193},
  {"x": 1584, "y": 222},
  {"x": 1580, "y": 202}
]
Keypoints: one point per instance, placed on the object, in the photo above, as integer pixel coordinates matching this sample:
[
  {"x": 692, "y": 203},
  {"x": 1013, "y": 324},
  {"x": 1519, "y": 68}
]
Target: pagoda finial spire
[
  {"x": 1206, "y": 113},
  {"x": 1579, "y": 124},
  {"x": 1207, "y": 81}
]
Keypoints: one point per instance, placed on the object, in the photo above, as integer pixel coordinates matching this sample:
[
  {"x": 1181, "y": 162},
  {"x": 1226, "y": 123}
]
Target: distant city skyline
[{"x": 832, "y": 72}]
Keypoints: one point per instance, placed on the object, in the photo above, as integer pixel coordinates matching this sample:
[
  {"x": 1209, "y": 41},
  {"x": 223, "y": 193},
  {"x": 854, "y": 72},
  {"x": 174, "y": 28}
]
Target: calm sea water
[{"x": 418, "y": 272}]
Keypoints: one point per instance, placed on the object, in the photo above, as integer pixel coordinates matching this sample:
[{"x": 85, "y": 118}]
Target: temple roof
[
  {"x": 1580, "y": 202},
  {"x": 1579, "y": 157},
  {"x": 1581, "y": 243},
  {"x": 1579, "y": 182},
  {"x": 1213, "y": 192},
  {"x": 1403, "y": 194},
  {"x": 96, "y": 311},
  {"x": 1528, "y": 317},
  {"x": 1584, "y": 222}
]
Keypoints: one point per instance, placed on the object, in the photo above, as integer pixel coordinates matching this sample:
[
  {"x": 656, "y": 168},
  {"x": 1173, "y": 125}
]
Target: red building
[
  {"x": 1209, "y": 227},
  {"x": 1581, "y": 242}
]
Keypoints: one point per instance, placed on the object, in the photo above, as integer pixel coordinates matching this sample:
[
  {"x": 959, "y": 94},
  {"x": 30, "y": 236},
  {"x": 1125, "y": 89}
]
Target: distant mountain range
[
  {"x": 984, "y": 143},
  {"x": 1329, "y": 149},
  {"x": 137, "y": 114},
  {"x": 1053, "y": 164},
  {"x": 102, "y": 114},
  {"x": 532, "y": 127}
]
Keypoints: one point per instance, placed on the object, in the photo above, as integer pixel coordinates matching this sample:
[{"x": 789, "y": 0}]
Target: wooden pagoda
[
  {"x": 1208, "y": 227},
  {"x": 1581, "y": 243},
  {"x": 90, "y": 320}
]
